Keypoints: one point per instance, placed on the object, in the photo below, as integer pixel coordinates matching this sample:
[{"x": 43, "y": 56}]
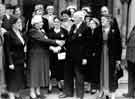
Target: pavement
[{"x": 55, "y": 93}]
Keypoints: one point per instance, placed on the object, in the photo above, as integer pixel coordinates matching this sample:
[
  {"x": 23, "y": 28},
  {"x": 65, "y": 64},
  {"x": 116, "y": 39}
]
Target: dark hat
[
  {"x": 106, "y": 15},
  {"x": 13, "y": 20},
  {"x": 9, "y": 6}
]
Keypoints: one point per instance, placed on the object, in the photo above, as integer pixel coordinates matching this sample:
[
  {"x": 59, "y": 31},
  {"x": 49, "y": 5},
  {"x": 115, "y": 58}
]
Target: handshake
[{"x": 60, "y": 42}]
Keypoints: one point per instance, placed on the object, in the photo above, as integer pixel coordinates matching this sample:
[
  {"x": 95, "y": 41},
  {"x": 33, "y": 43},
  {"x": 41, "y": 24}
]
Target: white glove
[
  {"x": 12, "y": 67},
  {"x": 84, "y": 62}
]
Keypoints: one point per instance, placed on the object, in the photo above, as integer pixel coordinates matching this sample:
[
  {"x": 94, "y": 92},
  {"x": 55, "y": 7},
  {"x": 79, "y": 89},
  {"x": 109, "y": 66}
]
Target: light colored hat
[
  {"x": 39, "y": 6},
  {"x": 79, "y": 14},
  {"x": 36, "y": 19},
  {"x": 96, "y": 20},
  {"x": 72, "y": 6},
  {"x": 50, "y": 7},
  {"x": 87, "y": 8}
]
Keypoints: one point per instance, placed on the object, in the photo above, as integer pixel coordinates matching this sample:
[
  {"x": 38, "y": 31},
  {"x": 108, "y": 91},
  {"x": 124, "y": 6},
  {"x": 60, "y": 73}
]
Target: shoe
[
  {"x": 50, "y": 88},
  {"x": 93, "y": 91},
  {"x": 60, "y": 86},
  {"x": 32, "y": 95},
  {"x": 101, "y": 94},
  {"x": 11, "y": 95},
  {"x": 41, "y": 96},
  {"x": 38, "y": 93},
  {"x": 64, "y": 96},
  {"x": 127, "y": 95}
]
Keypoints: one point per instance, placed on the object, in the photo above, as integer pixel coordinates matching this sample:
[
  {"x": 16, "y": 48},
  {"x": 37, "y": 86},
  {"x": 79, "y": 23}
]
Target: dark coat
[
  {"x": 93, "y": 55},
  {"x": 14, "y": 54},
  {"x": 114, "y": 54},
  {"x": 7, "y": 23},
  {"x": 14, "y": 49}
]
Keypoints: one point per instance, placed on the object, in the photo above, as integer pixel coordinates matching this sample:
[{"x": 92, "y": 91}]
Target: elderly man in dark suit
[
  {"x": 130, "y": 57},
  {"x": 75, "y": 45}
]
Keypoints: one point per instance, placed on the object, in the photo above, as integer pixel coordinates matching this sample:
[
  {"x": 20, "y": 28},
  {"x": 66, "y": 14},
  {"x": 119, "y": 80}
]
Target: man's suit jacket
[
  {"x": 114, "y": 43},
  {"x": 76, "y": 41}
]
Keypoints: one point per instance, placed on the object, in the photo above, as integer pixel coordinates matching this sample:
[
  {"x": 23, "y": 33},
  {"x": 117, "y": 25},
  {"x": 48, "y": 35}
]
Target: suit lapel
[{"x": 17, "y": 38}]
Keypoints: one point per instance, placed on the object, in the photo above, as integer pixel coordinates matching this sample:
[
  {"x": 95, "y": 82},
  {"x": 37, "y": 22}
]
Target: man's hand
[{"x": 12, "y": 67}]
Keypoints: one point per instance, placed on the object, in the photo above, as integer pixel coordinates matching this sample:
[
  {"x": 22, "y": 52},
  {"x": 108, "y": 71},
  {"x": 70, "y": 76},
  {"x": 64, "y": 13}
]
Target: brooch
[
  {"x": 80, "y": 35},
  {"x": 62, "y": 35},
  {"x": 113, "y": 30}
]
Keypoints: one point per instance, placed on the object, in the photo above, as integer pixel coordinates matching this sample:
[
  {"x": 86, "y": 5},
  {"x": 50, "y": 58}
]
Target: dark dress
[
  {"x": 111, "y": 53},
  {"x": 38, "y": 57},
  {"x": 14, "y": 54},
  {"x": 58, "y": 63},
  {"x": 93, "y": 55}
]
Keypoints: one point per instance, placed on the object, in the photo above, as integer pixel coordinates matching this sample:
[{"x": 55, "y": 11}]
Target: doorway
[{"x": 94, "y": 4}]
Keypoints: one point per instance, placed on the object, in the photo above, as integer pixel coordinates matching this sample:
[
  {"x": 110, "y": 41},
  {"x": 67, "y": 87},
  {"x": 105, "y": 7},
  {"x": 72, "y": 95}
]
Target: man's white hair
[
  {"x": 49, "y": 7},
  {"x": 72, "y": 6},
  {"x": 79, "y": 14},
  {"x": 36, "y": 19},
  {"x": 104, "y": 8}
]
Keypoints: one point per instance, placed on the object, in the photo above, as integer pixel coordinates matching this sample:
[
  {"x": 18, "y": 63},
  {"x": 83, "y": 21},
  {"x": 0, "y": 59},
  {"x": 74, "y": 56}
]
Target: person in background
[
  {"x": 87, "y": 10},
  {"x": 39, "y": 10},
  {"x": 14, "y": 46},
  {"x": 105, "y": 11},
  {"x": 66, "y": 20},
  {"x": 38, "y": 56},
  {"x": 7, "y": 17},
  {"x": 87, "y": 19},
  {"x": 87, "y": 82},
  {"x": 19, "y": 14},
  {"x": 50, "y": 15},
  {"x": 93, "y": 54},
  {"x": 72, "y": 10}
]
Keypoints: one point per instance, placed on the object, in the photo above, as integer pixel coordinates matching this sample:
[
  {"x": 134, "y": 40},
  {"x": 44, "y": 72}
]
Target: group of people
[{"x": 74, "y": 48}]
